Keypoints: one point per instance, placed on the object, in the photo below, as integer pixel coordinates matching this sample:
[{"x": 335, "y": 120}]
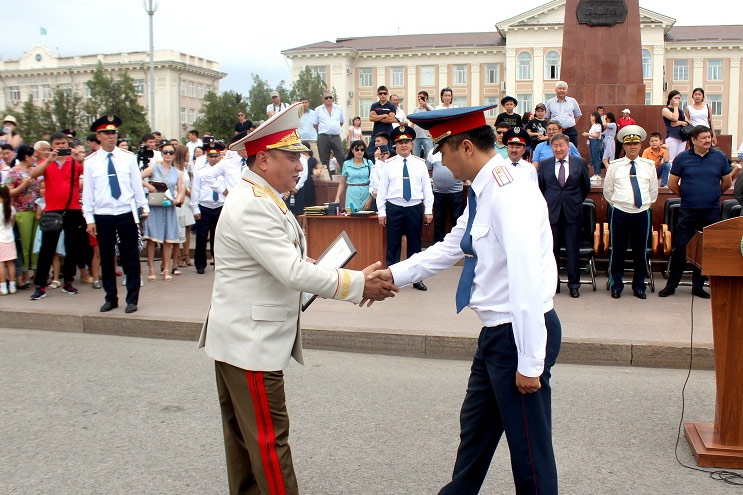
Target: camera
[
  {"x": 64, "y": 152},
  {"x": 144, "y": 155}
]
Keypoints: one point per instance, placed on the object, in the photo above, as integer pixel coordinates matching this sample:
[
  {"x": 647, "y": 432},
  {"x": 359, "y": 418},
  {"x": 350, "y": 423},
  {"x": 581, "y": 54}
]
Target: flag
[{"x": 42, "y": 31}]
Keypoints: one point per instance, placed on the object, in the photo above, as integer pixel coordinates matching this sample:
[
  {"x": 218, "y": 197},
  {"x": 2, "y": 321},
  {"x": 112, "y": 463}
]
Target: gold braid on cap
[{"x": 290, "y": 139}]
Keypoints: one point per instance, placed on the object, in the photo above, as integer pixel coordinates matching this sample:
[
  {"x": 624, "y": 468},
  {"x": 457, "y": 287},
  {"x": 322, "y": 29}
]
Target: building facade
[
  {"x": 181, "y": 81},
  {"x": 522, "y": 58}
]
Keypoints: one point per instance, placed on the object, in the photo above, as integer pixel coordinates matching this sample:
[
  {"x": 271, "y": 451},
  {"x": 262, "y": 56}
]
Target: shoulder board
[
  {"x": 417, "y": 158},
  {"x": 616, "y": 161},
  {"x": 502, "y": 175},
  {"x": 262, "y": 192},
  {"x": 126, "y": 151}
]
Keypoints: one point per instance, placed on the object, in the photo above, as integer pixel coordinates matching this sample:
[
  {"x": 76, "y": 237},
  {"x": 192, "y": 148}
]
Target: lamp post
[{"x": 150, "y": 6}]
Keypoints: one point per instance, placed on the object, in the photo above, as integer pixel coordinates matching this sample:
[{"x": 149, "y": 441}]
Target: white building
[
  {"x": 181, "y": 81},
  {"x": 522, "y": 57}
]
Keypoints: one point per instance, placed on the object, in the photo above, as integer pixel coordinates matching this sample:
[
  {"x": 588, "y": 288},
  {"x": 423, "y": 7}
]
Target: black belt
[
  {"x": 569, "y": 128},
  {"x": 359, "y": 184}
]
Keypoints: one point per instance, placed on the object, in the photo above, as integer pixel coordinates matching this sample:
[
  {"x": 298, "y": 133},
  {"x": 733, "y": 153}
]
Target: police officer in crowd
[
  {"x": 206, "y": 204},
  {"x": 515, "y": 140}
]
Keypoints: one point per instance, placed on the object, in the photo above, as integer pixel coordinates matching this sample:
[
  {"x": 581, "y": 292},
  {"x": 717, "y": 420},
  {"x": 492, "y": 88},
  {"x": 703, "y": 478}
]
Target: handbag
[
  {"x": 52, "y": 221},
  {"x": 161, "y": 196},
  {"x": 686, "y": 132}
]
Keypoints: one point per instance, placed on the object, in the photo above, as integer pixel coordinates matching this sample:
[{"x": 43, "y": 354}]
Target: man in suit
[
  {"x": 252, "y": 327},
  {"x": 565, "y": 183}
]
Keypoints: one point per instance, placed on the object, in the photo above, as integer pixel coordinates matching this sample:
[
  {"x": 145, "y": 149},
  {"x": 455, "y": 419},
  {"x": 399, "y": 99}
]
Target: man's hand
[
  {"x": 225, "y": 193},
  {"x": 527, "y": 384},
  {"x": 91, "y": 229},
  {"x": 377, "y": 285},
  {"x": 145, "y": 214},
  {"x": 427, "y": 219},
  {"x": 197, "y": 216},
  {"x": 383, "y": 221},
  {"x": 377, "y": 154}
]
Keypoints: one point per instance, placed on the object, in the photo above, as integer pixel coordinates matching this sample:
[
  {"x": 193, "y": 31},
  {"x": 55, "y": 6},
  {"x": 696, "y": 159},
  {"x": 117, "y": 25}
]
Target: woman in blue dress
[
  {"x": 355, "y": 179},
  {"x": 162, "y": 223}
]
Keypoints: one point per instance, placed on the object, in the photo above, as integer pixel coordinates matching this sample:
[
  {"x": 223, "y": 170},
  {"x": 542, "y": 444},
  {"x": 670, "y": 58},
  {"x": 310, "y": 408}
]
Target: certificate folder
[{"x": 336, "y": 255}]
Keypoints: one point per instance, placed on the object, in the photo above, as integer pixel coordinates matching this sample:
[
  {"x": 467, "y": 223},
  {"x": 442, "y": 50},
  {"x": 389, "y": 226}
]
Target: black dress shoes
[
  {"x": 666, "y": 291},
  {"x": 108, "y": 306},
  {"x": 701, "y": 293},
  {"x": 574, "y": 293},
  {"x": 130, "y": 308},
  {"x": 639, "y": 294},
  {"x": 615, "y": 294},
  {"x": 200, "y": 271},
  {"x": 420, "y": 286}
]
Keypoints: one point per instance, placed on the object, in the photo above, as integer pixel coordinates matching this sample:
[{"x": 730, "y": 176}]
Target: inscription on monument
[{"x": 601, "y": 12}]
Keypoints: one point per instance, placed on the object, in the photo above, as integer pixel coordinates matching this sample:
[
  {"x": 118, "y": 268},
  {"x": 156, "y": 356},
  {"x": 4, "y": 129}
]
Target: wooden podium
[
  {"x": 365, "y": 233},
  {"x": 719, "y": 257}
]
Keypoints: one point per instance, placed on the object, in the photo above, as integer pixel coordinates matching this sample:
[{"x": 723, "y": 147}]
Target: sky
[{"x": 247, "y": 37}]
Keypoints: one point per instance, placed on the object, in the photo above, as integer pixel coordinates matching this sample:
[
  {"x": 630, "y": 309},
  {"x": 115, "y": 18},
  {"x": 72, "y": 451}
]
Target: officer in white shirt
[
  {"x": 404, "y": 184},
  {"x": 229, "y": 168},
  {"x": 112, "y": 192},
  {"x": 630, "y": 187},
  {"x": 206, "y": 205},
  {"x": 515, "y": 139},
  {"x": 509, "y": 279}
]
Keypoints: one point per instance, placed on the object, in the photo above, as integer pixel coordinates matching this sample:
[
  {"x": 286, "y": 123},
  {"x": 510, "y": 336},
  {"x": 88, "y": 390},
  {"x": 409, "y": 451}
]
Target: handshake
[{"x": 378, "y": 284}]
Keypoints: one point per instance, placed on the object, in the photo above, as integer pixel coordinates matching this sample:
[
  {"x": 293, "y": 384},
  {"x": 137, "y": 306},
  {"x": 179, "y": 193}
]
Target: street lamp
[{"x": 150, "y": 6}]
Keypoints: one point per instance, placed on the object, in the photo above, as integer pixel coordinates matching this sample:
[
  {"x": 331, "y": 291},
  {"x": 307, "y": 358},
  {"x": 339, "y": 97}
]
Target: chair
[
  {"x": 589, "y": 242},
  {"x": 730, "y": 209},
  {"x": 650, "y": 249},
  {"x": 670, "y": 218}
]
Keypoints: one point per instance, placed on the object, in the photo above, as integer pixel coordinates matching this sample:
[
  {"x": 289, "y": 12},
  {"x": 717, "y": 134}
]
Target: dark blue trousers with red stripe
[{"x": 493, "y": 405}]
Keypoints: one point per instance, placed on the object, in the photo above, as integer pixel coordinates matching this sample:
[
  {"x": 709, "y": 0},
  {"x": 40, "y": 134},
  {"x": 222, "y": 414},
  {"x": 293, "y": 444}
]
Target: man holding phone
[
  {"x": 62, "y": 195},
  {"x": 422, "y": 142}
]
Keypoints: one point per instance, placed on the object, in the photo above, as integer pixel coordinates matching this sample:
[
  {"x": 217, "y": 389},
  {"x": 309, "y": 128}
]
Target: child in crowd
[
  {"x": 7, "y": 244},
  {"x": 354, "y": 132},
  {"x": 509, "y": 117},
  {"x": 658, "y": 154}
]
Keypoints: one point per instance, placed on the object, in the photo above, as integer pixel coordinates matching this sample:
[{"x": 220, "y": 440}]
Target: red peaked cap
[{"x": 450, "y": 121}]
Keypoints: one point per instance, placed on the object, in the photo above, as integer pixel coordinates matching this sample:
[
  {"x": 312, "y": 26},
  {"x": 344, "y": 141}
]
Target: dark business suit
[{"x": 565, "y": 205}]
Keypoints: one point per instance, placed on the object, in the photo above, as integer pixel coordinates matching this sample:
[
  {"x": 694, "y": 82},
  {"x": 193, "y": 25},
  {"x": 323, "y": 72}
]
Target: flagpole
[{"x": 150, "y": 6}]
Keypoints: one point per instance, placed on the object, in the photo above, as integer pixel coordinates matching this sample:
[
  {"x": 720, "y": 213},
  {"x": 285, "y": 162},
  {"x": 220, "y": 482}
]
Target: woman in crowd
[
  {"x": 197, "y": 153},
  {"x": 447, "y": 95},
  {"x": 184, "y": 213},
  {"x": 594, "y": 143},
  {"x": 355, "y": 179},
  {"x": 24, "y": 191},
  {"x": 674, "y": 117},
  {"x": 9, "y": 135},
  {"x": 700, "y": 113},
  {"x": 354, "y": 132},
  {"x": 123, "y": 144},
  {"x": 610, "y": 134},
  {"x": 162, "y": 223}
]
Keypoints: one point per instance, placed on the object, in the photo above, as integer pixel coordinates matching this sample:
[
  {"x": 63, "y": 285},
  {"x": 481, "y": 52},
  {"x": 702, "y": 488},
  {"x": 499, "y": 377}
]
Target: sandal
[
  {"x": 176, "y": 271},
  {"x": 55, "y": 284},
  {"x": 166, "y": 276},
  {"x": 151, "y": 276},
  {"x": 188, "y": 262}
]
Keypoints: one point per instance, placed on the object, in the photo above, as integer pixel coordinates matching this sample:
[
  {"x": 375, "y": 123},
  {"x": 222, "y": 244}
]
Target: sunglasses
[
  {"x": 168, "y": 152},
  {"x": 359, "y": 148},
  {"x": 327, "y": 98},
  {"x": 382, "y": 93},
  {"x": 500, "y": 132}
]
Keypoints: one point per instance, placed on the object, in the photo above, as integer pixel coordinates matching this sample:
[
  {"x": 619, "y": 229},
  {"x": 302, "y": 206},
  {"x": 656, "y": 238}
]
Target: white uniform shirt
[
  {"x": 97, "y": 198},
  {"x": 524, "y": 167},
  {"x": 515, "y": 275},
  {"x": 375, "y": 175},
  {"x": 400, "y": 116},
  {"x": 618, "y": 186},
  {"x": 302, "y": 174},
  {"x": 201, "y": 194},
  {"x": 229, "y": 169},
  {"x": 390, "y": 185}
]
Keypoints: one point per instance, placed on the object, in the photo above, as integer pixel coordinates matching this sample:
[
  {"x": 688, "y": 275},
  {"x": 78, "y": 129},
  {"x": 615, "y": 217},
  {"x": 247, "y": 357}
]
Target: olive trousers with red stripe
[
  {"x": 493, "y": 405},
  {"x": 256, "y": 431}
]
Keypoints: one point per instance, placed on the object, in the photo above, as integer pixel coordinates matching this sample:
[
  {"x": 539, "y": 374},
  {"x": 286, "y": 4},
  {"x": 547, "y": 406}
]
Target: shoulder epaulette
[
  {"x": 261, "y": 192},
  {"x": 126, "y": 151},
  {"x": 502, "y": 175}
]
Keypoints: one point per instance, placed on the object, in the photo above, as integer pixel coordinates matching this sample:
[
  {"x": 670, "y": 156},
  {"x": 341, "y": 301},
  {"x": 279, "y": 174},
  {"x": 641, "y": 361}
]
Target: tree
[
  {"x": 32, "y": 124},
  {"x": 259, "y": 97},
  {"x": 219, "y": 114},
  {"x": 308, "y": 86},
  {"x": 65, "y": 111},
  {"x": 118, "y": 96}
]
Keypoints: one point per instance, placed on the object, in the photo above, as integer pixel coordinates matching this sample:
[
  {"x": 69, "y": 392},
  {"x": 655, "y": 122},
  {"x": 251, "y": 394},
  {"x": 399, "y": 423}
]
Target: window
[
  {"x": 183, "y": 115},
  {"x": 397, "y": 77},
  {"x": 460, "y": 101},
  {"x": 549, "y": 96},
  {"x": 428, "y": 75},
  {"x": 648, "y": 98},
  {"x": 492, "y": 100},
  {"x": 200, "y": 90},
  {"x": 34, "y": 93},
  {"x": 459, "y": 77},
  {"x": 552, "y": 65},
  {"x": 208, "y": 88},
  {"x": 139, "y": 86},
  {"x": 183, "y": 88},
  {"x": 526, "y": 103},
  {"x": 46, "y": 92},
  {"x": 715, "y": 103},
  {"x": 523, "y": 62},
  {"x": 714, "y": 70},
  {"x": 364, "y": 105},
  {"x": 491, "y": 73},
  {"x": 684, "y": 100},
  {"x": 191, "y": 114},
  {"x": 14, "y": 94},
  {"x": 647, "y": 65},
  {"x": 86, "y": 91},
  {"x": 680, "y": 70},
  {"x": 191, "y": 89},
  {"x": 365, "y": 78},
  {"x": 66, "y": 89},
  {"x": 319, "y": 70}
]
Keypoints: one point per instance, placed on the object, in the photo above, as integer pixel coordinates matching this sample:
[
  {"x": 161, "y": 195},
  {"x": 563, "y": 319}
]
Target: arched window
[
  {"x": 524, "y": 66},
  {"x": 647, "y": 65},
  {"x": 552, "y": 65}
]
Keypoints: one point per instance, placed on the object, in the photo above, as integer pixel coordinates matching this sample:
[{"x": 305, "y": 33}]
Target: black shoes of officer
[
  {"x": 701, "y": 293},
  {"x": 108, "y": 306},
  {"x": 666, "y": 291},
  {"x": 574, "y": 293},
  {"x": 420, "y": 286},
  {"x": 639, "y": 294},
  {"x": 200, "y": 271},
  {"x": 615, "y": 294},
  {"x": 130, "y": 308}
]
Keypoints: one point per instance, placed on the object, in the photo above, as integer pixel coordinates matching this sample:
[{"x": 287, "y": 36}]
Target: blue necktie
[
  {"x": 215, "y": 196},
  {"x": 405, "y": 180},
  {"x": 635, "y": 184},
  {"x": 113, "y": 181},
  {"x": 464, "y": 289}
]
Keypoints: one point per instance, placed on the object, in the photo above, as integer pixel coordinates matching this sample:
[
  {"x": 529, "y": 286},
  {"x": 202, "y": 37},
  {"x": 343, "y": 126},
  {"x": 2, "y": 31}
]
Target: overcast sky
[{"x": 248, "y": 36}]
